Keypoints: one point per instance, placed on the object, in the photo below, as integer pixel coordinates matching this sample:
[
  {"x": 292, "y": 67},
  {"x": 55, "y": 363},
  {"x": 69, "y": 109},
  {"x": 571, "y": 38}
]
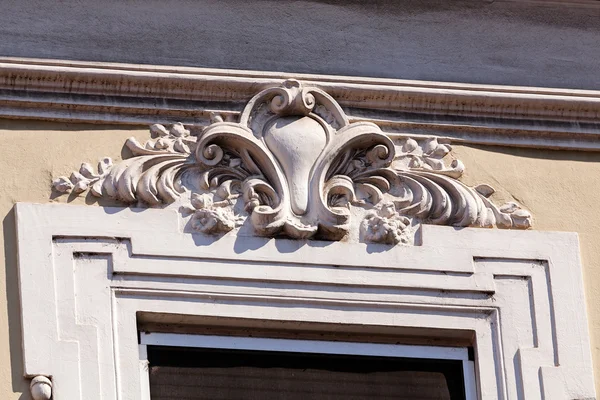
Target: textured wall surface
[
  {"x": 559, "y": 188},
  {"x": 474, "y": 41}
]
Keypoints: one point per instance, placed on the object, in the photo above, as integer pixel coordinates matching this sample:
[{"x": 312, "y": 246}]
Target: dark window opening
[{"x": 217, "y": 374}]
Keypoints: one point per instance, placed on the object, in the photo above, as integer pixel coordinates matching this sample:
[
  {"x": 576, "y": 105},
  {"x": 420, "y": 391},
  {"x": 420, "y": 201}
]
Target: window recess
[{"x": 199, "y": 367}]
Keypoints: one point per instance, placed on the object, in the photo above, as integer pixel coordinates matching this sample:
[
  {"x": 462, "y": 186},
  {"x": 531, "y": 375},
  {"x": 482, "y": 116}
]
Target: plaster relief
[{"x": 295, "y": 166}]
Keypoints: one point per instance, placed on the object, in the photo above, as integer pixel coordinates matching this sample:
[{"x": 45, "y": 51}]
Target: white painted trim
[
  {"x": 89, "y": 275},
  {"x": 313, "y": 347},
  {"x": 144, "y": 372},
  {"x": 470, "y": 380},
  {"x": 60, "y": 90},
  {"x": 304, "y": 346}
]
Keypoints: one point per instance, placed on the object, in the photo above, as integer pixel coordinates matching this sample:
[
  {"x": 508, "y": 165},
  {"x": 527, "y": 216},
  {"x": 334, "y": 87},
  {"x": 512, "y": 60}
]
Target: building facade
[{"x": 418, "y": 179}]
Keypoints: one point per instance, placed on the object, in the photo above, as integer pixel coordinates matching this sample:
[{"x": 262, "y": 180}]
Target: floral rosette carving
[
  {"x": 213, "y": 218},
  {"x": 295, "y": 166},
  {"x": 385, "y": 225}
]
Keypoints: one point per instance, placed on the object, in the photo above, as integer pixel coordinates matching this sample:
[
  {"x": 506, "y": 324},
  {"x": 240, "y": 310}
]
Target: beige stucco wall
[{"x": 561, "y": 189}]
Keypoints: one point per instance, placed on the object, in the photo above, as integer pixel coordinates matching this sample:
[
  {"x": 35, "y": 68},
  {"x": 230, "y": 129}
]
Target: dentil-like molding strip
[{"x": 137, "y": 94}]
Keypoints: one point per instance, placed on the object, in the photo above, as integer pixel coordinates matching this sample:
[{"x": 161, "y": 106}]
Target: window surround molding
[
  {"x": 89, "y": 276},
  {"x": 209, "y": 252}
]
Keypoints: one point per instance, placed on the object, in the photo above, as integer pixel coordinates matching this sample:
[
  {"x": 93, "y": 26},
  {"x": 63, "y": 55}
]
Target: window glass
[{"x": 200, "y": 373}]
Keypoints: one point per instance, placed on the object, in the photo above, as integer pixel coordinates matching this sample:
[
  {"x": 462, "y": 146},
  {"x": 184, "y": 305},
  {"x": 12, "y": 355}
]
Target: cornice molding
[
  {"x": 294, "y": 165},
  {"x": 460, "y": 113}
]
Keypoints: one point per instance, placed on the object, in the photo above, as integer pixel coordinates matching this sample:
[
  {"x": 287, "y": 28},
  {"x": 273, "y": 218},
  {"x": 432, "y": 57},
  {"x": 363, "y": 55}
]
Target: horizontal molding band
[{"x": 138, "y": 94}]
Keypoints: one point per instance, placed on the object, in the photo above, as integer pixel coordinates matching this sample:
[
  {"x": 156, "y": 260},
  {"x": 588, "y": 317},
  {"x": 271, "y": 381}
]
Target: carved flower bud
[
  {"x": 159, "y": 130},
  {"x": 410, "y": 145},
  {"x": 442, "y": 150},
  {"x": 205, "y": 221},
  {"x": 213, "y": 221},
  {"x": 62, "y": 184},
  {"x": 430, "y": 146},
  {"x": 104, "y": 165},
  {"x": 200, "y": 201},
  {"x": 161, "y": 144},
  {"x": 388, "y": 210},
  {"x": 522, "y": 219},
  {"x": 415, "y": 163},
  {"x": 215, "y": 118},
  {"x": 251, "y": 204},
  {"x": 87, "y": 170},
  {"x": 180, "y": 147},
  {"x": 80, "y": 187},
  {"x": 178, "y": 130}
]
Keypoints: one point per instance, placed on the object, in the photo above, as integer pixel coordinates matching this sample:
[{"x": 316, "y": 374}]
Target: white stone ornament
[
  {"x": 41, "y": 388},
  {"x": 385, "y": 225},
  {"x": 295, "y": 166}
]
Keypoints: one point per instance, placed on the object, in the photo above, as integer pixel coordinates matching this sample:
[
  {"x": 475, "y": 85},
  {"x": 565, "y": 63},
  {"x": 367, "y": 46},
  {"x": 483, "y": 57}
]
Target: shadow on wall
[
  {"x": 539, "y": 154},
  {"x": 475, "y": 41},
  {"x": 13, "y": 304}
]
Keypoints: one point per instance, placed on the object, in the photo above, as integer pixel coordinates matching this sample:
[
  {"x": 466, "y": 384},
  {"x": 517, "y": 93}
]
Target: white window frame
[
  {"x": 307, "y": 346},
  {"x": 89, "y": 275}
]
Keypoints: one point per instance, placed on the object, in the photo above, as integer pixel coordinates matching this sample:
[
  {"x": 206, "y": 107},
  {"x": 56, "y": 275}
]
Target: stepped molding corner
[{"x": 293, "y": 164}]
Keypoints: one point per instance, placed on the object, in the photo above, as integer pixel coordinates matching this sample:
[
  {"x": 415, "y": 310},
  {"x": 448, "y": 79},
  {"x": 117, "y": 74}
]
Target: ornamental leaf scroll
[{"x": 295, "y": 166}]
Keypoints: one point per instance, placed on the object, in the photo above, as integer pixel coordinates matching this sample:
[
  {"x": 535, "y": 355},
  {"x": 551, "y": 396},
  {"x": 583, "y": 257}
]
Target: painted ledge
[{"x": 139, "y": 94}]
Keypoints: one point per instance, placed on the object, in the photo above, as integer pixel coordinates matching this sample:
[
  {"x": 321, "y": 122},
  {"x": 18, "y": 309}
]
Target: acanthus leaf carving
[{"x": 295, "y": 166}]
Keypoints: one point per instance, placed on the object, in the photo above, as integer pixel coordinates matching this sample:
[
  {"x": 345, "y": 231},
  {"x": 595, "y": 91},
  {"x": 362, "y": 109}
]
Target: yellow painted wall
[{"x": 561, "y": 189}]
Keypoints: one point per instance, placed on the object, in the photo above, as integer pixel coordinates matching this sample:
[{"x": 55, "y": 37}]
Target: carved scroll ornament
[{"x": 295, "y": 166}]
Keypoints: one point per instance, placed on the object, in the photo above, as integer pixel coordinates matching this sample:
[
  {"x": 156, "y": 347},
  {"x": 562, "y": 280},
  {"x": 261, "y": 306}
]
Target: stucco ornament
[
  {"x": 295, "y": 166},
  {"x": 41, "y": 388},
  {"x": 385, "y": 225}
]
